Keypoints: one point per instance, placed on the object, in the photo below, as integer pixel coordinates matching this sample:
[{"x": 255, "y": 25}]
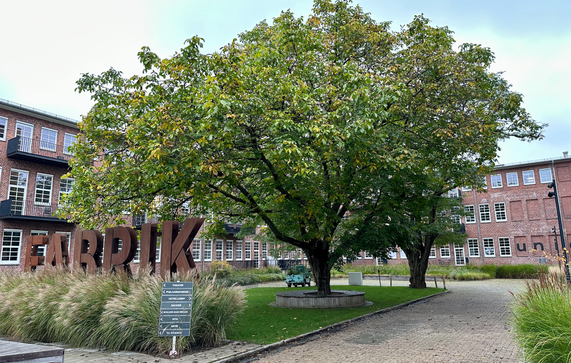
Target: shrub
[
  {"x": 542, "y": 319},
  {"x": 466, "y": 274},
  {"x": 220, "y": 268},
  {"x": 523, "y": 271}
]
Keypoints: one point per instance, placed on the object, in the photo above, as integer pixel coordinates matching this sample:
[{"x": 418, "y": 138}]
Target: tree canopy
[{"x": 293, "y": 125}]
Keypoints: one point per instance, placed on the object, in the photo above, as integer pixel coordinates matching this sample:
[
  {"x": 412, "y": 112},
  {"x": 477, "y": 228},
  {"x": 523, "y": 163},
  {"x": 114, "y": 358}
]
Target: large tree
[{"x": 293, "y": 125}]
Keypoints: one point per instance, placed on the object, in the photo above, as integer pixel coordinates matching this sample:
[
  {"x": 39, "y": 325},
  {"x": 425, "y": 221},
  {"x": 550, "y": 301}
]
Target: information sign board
[{"x": 176, "y": 308}]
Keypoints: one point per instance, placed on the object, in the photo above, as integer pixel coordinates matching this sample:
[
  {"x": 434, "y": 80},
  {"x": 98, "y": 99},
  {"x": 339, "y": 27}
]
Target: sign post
[{"x": 176, "y": 308}]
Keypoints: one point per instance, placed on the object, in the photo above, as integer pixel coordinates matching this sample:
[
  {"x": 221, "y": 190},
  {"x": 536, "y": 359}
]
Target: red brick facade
[{"x": 42, "y": 139}]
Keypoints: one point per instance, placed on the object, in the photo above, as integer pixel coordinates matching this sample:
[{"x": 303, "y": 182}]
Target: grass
[
  {"x": 264, "y": 324},
  {"x": 542, "y": 320}
]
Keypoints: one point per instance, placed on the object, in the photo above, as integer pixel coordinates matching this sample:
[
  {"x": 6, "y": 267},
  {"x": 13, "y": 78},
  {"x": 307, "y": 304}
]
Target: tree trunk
[
  {"x": 418, "y": 262},
  {"x": 319, "y": 261}
]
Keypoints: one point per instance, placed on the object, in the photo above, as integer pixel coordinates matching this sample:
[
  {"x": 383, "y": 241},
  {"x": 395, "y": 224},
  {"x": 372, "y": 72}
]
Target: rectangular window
[
  {"x": 489, "y": 250},
  {"x": 445, "y": 251},
  {"x": 65, "y": 187},
  {"x": 264, "y": 251},
  {"x": 485, "y": 213},
  {"x": 68, "y": 140},
  {"x": 505, "y": 247},
  {"x": 11, "y": 243},
  {"x": 432, "y": 253},
  {"x": 466, "y": 189},
  {"x": 239, "y": 250},
  {"x": 44, "y": 184},
  {"x": 455, "y": 216},
  {"x": 402, "y": 254},
  {"x": 473, "y": 248},
  {"x": 25, "y": 132},
  {"x": 248, "y": 250},
  {"x": 207, "y": 250},
  {"x": 3, "y": 126},
  {"x": 49, "y": 139},
  {"x": 41, "y": 249},
  {"x": 219, "y": 249},
  {"x": 545, "y": 175},
  {"x": 158, "y": 253},
  {"x": 484, "y": 182},
  {"x": 17, "y": 190},
  {"x": 368, "y": 255},
  {"x": 453, "y": 193},
  {"x": 229, "y": 250},
  {"x": 500, "y": 209},
  {"x": 470, "y": 217},
  {"x": 68, "y": 239},
  {"x": 511, "y": 179},
  {"x": 196, "y": 249},
  {"x": 496, "y": 180},
  {"x": 528, "y": 177}
]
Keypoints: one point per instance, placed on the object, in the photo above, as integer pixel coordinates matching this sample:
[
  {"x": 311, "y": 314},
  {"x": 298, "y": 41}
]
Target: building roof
[
  {"x": 30, "y": 111},
  {"x": 522, "y": 164}
]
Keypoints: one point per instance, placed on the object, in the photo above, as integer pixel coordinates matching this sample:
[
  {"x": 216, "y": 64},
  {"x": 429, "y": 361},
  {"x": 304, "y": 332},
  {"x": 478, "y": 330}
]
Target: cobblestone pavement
[{"x": 469, "y": 324}]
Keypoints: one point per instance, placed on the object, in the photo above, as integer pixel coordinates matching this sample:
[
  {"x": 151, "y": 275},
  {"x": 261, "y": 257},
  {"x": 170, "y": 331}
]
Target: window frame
[
  {"x": 444, "y": 248},
  {"x": 40, "y": 232},
  {"x": 473, "y": 216},
  {"x": 247, "y": 250},
  {"x": 239, "y": 250},
  {"x": 42, "y": 141},
  {"x": 541, "y": 176},
  {"x": 494, "y": 183},
  {"x": 219, "y": 252},
  {"x": 509, "y": 246},
  {"x": 68, "y": 234},
  {"x": 16, "y": 186},
  {"x": 49, "y": 202},
  {"x": 511, "y": 184},
  {"x": 207, "y": 250},
  {"x": 473, "y": 251},
  {"x": 5, "y": 121},
  {"x": 61, "y": 183},
  {"x": 486, "y": 248},
  {"x": 489, "y": 213},
  {"x": 4, "y": 246},
  {"x": 229, "y": 251},
  {"x": 196, "y": 249},
  {"x": 524, "y": 178},
  {"x": 65, "y": 143},
  {"x": 432, "y": 253},
  {"x": 504, "y": 211}
]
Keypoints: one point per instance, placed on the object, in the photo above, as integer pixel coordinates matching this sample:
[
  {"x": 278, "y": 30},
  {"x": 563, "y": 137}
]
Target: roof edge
[{"x": 34, "y": 112}]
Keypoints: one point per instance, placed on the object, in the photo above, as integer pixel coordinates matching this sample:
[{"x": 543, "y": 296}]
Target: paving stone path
[{"x": 469, "y": 324}]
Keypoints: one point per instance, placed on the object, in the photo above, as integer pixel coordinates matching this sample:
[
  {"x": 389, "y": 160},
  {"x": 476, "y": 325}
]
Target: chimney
[{"x": 565, "y": 154}]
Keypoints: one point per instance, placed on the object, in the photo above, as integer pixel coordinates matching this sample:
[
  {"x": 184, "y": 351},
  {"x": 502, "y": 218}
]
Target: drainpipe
[{"x": 480, "y": 242}]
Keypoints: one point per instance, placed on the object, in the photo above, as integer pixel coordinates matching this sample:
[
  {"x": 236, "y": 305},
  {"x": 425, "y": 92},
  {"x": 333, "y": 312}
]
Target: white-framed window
[
  {"x": 432, "y": 253},
  {"x": 44, "y": 184},
  {"x": 3, "y": 127},
  {"x": 500, "y": 209},
  {"x": 470, "y": 216},
  {"x": 229, "y": 250},
  {"x": 402, "y": 254},
  {"x": 485, "y": 213},
  {"x": 137, "y": 257},
  {"x": 238, "y": 250},
  {"x": 505, "y": 247},
  {"x": 459, "y": 259},
  {"x": 264, "y": 251},
  {"x": 247, "y": 250},
  {"x": 158, "y": 253},
  {"x": 25, "y": 131},
  {"x": 456, "y": 218},
  {"x": 489, "y": 249},
  {"x": 545, "y": 175},
  {"x": 368, "y": 255},
  {"x": 473, "y": 248},
  {"x": 256, "y": 253},
  {"x": 453, "y": 193},
  {"x": 17, "y": 190},
  {"x": 196, "y": 249},
  {"x": 496, "y": 180},
  {"x": 512, "y": 180},
  {"x": 466, "y": 189},
  {"x": 219, "y": 249},
  {"x": 445, "y": 251},
  {"x": 293, "y": 255},
  {"x": 48, "y": 139},
  {"x": 68, "y": 239},
  {"x": 207, "y": 250},
  {"x": 65, "y": 187},
  {"x": 11, "y": 244},
  {"x": 41, "y": 249},
  {"x": 68, "y": 140},
  {"x": 484, "y": 181},
  {"x": 528, "y": 177}
]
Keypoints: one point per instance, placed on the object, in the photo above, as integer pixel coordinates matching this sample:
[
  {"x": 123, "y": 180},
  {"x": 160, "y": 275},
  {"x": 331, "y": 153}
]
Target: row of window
[
  {"x": 18, "y": 189},
  {"x": 528, "y": 177},
  {"x": 48, "y": 137},
  {"x": 485, "y": 213},
  {"x": 12, "y": 243}
]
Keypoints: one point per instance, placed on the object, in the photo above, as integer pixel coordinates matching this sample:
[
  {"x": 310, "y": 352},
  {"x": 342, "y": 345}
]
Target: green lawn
[{"x": 263, "y": 324}]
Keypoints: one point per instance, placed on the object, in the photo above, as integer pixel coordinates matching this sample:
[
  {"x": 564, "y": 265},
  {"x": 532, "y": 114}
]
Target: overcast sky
[{"x": 46, "y": 45}]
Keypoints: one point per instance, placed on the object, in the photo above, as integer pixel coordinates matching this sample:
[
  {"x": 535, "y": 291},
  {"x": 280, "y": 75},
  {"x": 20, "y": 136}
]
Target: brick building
[
  {"x": 33, "y": 157},
  {"x": 514, "y": 221}
]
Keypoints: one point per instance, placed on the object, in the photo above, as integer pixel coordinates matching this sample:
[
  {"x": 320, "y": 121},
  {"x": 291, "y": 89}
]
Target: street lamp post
[{"x": 561, "y": 232}]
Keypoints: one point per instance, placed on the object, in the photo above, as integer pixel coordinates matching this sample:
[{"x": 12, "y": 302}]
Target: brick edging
[{"x": 303, "y": 338}]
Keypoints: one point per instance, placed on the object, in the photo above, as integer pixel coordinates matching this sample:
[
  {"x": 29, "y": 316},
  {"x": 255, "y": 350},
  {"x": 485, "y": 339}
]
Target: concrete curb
[{"x": 303, "y": 338}]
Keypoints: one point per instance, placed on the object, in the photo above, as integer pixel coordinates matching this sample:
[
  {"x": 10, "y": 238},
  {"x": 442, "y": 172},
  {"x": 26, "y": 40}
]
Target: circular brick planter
[{"x": 310, "y": 300}]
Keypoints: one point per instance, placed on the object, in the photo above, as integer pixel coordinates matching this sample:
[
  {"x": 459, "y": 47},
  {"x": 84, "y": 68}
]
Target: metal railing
[
  {"x": 10, "y": 207},
  {"x": 37, "y": 147}
]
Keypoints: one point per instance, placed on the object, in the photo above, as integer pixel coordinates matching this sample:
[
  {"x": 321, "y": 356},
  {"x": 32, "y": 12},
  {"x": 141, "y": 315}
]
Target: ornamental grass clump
[
  {"x": 110, "y": 311},
  {"x": 542, "y": 319}
]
